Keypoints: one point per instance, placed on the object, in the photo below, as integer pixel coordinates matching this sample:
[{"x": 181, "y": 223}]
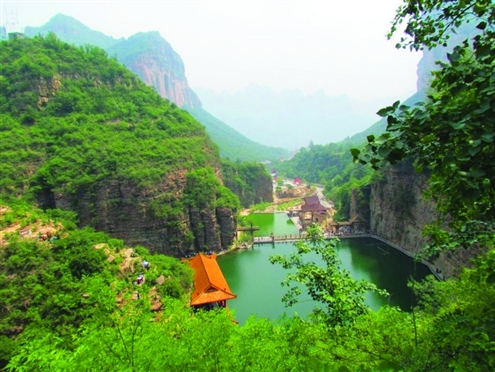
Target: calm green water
[
  {"x": 277, "y": 223},
  {"x": 257, "y": 283}
]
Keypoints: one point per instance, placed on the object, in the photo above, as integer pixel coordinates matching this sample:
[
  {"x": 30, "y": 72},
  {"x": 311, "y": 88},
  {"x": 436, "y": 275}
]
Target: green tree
[
  {"x": 451, "y": 135},
  {"x": 328, "y": 284}
]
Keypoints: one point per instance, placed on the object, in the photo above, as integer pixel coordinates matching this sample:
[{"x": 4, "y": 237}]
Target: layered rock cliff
[
  {"x": 152, "y": 58},
  {"x": 398, "y": 210},
  {"x": 399, "y": 213},
  {"x": 249, "y": 181},
  {"x": 150, "y": 216}
]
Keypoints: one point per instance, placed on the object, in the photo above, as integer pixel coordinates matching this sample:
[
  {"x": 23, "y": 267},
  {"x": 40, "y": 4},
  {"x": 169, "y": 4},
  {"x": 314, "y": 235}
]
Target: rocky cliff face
[
  {"x": 360, "y": 203},
  {"x": 152, "y": 58},
  {"x": 261, "y": 191},
  {"x": 399, "y": 212},
  {"x": 136, "y": 215},
  {"x": 250, "y": 182}
]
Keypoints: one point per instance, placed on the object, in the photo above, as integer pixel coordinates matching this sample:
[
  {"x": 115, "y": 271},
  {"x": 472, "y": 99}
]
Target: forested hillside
[
  {"x": 57, "y": 280},
  {"x": 152, "y": 58},
  {"x": 81, "y": 132},
  {"x": 331, "y": 166},
  {"x": 233, "y": 145}
]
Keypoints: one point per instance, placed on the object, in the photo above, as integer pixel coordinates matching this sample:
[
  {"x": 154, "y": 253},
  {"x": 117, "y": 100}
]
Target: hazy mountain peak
[
  {"x": 72, "y": 31},
  {"x": 289, "y": 119},
  {"x": 61, "y": 19}
]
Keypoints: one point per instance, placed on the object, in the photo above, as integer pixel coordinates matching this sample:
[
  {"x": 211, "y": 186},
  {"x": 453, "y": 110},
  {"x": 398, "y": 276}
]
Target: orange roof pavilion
[{"x": 209, "y": 283}]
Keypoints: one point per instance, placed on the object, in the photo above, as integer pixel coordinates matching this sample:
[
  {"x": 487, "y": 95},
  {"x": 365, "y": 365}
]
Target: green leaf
[
  {"x": 355, "y": 152},
  {"x": 479, "y": 9},
  {"x": 385, "y": 111},
  {"x": 453, "y": 57},
  {"x": 457, "y": 126},
  {"x": 370, "y": 138},
  {"x": 474, "y": 150},
  {"x": 476, "y": 173},
  {"x": 488, "y": 137},
  {"x": 481, "y": 25}
]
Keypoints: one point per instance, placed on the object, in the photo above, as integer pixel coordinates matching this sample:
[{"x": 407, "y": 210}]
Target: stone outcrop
[
  {"x": 259, "y": 191},
  {"x": 136, "y": 215},
  {"x": 167, "y": 85},
  {"x": 250, "y": 182},
  {"x": 399, "y": 213},
  {"x": 359, "y": 203},
  {"x": 152, "y": 58}
]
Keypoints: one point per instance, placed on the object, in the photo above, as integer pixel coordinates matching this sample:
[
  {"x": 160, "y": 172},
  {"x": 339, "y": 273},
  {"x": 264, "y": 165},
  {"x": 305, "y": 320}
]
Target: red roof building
[
  {"x": 312, "y": 204},
  {"x": 312, "y": 211},
  {"x": 210, "y": 285}
]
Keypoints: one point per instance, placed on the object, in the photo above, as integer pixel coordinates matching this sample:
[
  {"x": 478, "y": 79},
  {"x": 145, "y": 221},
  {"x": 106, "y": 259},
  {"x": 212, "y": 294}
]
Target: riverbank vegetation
[
  {"x": 54, "y": 318},
  {"x": 331, "y": 166}
]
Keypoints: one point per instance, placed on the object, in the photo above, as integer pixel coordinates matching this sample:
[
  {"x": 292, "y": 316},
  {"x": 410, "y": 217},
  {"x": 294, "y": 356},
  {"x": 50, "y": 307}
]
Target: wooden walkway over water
[{"x": 295, "y": 237}]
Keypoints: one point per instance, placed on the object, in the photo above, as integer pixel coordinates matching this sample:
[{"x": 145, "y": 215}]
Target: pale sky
[{"x": 337, "y": 46}]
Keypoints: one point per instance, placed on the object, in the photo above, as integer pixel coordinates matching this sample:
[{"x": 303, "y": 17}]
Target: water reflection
[{"x": 257, "y": 283}]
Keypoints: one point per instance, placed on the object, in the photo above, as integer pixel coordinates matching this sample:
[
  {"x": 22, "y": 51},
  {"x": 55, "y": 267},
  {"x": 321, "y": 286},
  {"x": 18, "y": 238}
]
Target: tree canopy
[{"x": 452, "y": 133}]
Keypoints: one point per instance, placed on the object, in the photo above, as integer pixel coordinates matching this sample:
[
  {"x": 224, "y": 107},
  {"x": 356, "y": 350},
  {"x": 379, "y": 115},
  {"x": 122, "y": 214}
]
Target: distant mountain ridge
[
  {"x": 289, "y": 119},
  {"x": 73, "y": 31},
  {"x": 152, "y": 58}
]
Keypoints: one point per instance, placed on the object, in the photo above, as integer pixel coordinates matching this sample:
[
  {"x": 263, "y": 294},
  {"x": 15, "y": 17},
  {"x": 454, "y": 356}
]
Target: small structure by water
[
  {"x": 312, "y": 211},
  {"x": 210, "y": 287},
  {"x": 357, "y": 224}
]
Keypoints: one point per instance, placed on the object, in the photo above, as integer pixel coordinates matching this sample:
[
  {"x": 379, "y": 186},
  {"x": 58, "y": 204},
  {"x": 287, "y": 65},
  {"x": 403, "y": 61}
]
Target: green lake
[{"x": 256, "y": 282}]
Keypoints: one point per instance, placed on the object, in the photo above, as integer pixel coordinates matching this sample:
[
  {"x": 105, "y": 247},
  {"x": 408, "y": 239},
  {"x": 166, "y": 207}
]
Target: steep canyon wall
[
  {"x": 399, "y": 212},
  {"x": 151, "y": 216}
]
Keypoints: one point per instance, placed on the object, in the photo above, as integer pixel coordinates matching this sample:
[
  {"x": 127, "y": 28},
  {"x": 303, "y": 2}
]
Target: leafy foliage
[
  {"x": 342, "y": 296},
  {"x": 451, "y": 134},
  {"x": 428, "y": 22},
  {"x": 75, "y": 122},
  {"x": 59, "y": 286},
  {"x": 88, "y": 117},
  {"x": 203, "y": 191},
  {"x": 70, "y": 319}
]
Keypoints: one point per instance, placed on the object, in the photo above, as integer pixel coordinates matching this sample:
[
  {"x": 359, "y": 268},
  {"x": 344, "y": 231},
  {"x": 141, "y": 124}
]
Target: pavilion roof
[
  {"x": 311, "y": 200},
  {"x": 209, "y": 283},
  {"x": 312, "y": 204}
]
